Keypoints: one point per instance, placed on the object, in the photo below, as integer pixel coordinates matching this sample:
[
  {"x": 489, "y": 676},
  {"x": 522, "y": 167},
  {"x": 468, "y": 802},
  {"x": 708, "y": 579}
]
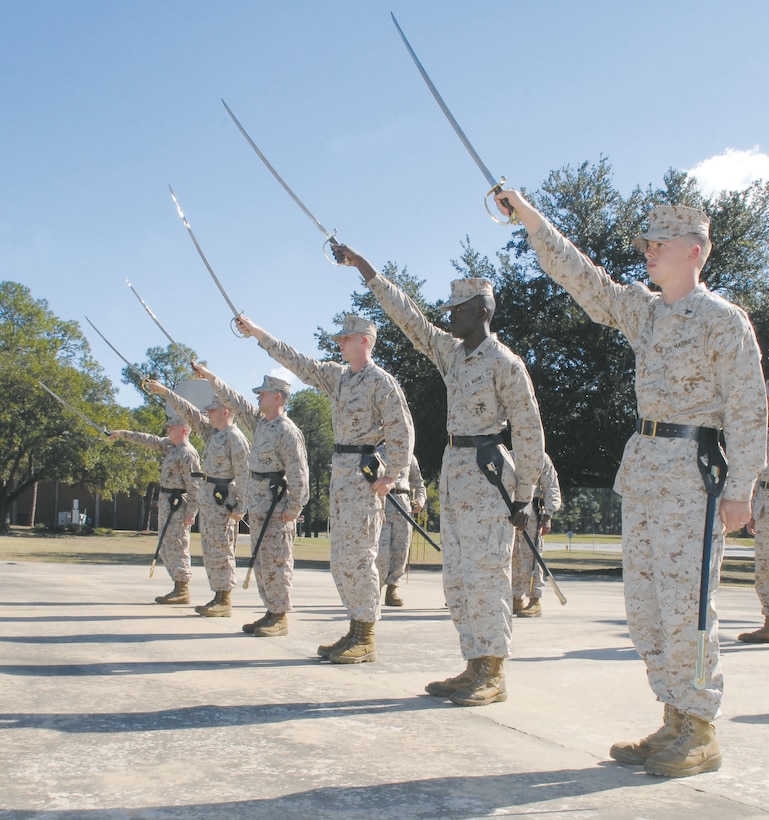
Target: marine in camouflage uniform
[
  {"x": 395, "y": 538},
  {"x": 367, "y": 407},
  {"x": 277, "y": 454},
  {"x": 528, "y": 576},
  {"x": 487, "y": 387},
  {"x": 224, "y": 473},
  {"x": 178, "y": 491},
  {"x": 697, "y": 366},
  {"x": 759, "y": 527}
]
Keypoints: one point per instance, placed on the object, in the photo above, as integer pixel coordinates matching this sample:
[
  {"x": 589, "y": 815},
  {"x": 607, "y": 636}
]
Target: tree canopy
[
  {"x": 583, "y": 373},
  {"x": 310, "y": 410},
  {"x": 39, "y": 437}
]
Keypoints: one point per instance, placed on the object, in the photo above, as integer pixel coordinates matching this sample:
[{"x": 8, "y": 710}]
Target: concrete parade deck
[{"x": 114, "y": 707}]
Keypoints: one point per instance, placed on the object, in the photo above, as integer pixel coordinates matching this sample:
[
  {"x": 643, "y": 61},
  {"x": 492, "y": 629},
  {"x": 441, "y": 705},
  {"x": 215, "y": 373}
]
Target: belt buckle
[
  {"x": 653, "y": 425},
  {"x": 451, "y": 440}
]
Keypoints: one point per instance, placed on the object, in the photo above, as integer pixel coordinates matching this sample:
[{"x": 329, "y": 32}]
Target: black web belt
[
  {"x": 211, "y": 479},
  {"x": 365, "y": 449},
  {"x": 659, "y": 429},
  {"x": 173, "y": 489},
  {"x": 274, "y": 475},
  {"x": 474, "y": 441}
]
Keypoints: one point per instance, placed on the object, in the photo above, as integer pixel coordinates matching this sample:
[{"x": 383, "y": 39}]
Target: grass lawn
[{"x": 582, "y": 554}]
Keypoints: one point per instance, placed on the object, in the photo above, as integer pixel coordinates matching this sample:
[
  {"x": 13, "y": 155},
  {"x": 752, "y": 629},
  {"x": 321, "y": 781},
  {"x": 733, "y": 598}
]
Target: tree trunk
[
  {"x": 150, "y": 496},
  {"x": 33, "y": 506}
]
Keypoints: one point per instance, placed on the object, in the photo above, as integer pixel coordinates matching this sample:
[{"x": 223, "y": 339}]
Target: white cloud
[{"x": 733, "y": 170}]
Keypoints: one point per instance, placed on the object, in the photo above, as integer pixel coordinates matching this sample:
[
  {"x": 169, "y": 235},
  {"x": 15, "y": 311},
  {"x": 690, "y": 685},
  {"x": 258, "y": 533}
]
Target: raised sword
[
  {"x": 330, "y": 235},
  {"x": 157, "y": 322},
  {"x": 133, "y": 368},
  {"x": 82, "y": 416},
  {"x": 496, "y": 185},
  {"x": 235, "y": 311}
]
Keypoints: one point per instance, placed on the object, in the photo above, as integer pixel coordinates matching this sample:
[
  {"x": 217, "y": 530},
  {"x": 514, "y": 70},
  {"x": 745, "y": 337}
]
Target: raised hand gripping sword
[
  {"x": 157, "y": 322},
  {"x": 331, "y": 240},
  {"x": 82, "y": 416},
  {"x": 496, "y": 185},
  {"x": 235, "y": 311}
]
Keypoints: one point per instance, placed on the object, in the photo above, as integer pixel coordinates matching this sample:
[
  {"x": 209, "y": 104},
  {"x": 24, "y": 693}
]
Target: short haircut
[
  {"x": 704, "y": 243},
  {"x": 487, "y": 300}
]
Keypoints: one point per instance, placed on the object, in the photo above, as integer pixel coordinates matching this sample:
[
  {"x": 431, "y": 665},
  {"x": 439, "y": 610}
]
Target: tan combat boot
[
  {"x": 275, "y": 626},
  {"x": 249, "y": 628},
  {"x": 447, "y": 687},
  {"x": 517, "y": 605},
  {"x": 695, "y": 751},
  {"x": 488, "y": 686},
  {"x": 532, "y": 610},
  {"x": 759, "y": 636},
  {"x": 628, "y": 751},
  {"x": 219, "y": 607},
  {"x": 180, "y": 594},
  {"x": 391, "y": 596},
  {"x": 360, "y": 648},
  {"x": 325, "y": 650}
]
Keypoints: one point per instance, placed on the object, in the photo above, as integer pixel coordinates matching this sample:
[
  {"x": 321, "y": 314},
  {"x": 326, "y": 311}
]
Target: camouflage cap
[
  {"x": 173, "y": 418},
  {"x": 273, "y": 384},
  {"x": 462, "y": 290},
  {"x": 668, "y": 222},
  {"x": 355, "y": 324}
]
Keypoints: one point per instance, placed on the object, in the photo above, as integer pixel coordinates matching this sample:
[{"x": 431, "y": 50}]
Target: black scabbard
[{"x": 391, "y": 498}]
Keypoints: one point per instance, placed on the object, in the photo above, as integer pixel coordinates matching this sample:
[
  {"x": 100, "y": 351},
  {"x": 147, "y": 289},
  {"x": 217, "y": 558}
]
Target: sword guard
[
  {"x": 513, "y": 219},
  {"x": 329, "y": 251},
  {"x": 234, "y": 328}
]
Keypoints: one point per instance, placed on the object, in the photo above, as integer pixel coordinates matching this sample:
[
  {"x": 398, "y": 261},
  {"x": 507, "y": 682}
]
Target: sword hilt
[
  {"x": 331, "y": 245},
  {"x": 513, "y": 218},
  {"x": 234, "y": 327}
]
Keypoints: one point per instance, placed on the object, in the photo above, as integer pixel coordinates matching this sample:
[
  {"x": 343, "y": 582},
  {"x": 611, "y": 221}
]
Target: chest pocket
[{"x": 673, "y": 363}]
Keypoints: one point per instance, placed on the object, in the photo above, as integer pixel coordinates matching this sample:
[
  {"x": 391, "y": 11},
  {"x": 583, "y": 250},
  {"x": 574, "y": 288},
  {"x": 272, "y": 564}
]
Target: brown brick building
[{"x": 57, "y": 503}]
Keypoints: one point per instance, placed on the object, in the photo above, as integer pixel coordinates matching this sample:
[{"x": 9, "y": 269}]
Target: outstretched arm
[
  {"x": 530, "y": 217},
  {"x": 248, "y": 328},
  {"x": 348, "y": 256}
]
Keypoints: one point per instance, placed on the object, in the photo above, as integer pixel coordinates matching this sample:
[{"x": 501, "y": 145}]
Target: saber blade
[
  {"x": 329, "y": 236},
  {"x": 218, "y": 284},
  {"x": 157, "y": 322},
  {"x": 132, "y": 367},
  {"x": 493, "y": 182},
  {"x": 82, "y": 416}
]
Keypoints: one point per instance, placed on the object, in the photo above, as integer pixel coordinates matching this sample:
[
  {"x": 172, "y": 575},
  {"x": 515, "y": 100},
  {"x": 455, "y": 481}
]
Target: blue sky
[{"x": 103, "y": 105}]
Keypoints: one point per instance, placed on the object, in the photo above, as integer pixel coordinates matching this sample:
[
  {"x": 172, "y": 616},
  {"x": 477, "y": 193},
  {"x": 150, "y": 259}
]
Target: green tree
[
  {"x": 310, "y": 410},
  {"x": 164, "y": 364},
  {"x": 584, "y": 372},
  {"x": 39, "y": 438}
]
